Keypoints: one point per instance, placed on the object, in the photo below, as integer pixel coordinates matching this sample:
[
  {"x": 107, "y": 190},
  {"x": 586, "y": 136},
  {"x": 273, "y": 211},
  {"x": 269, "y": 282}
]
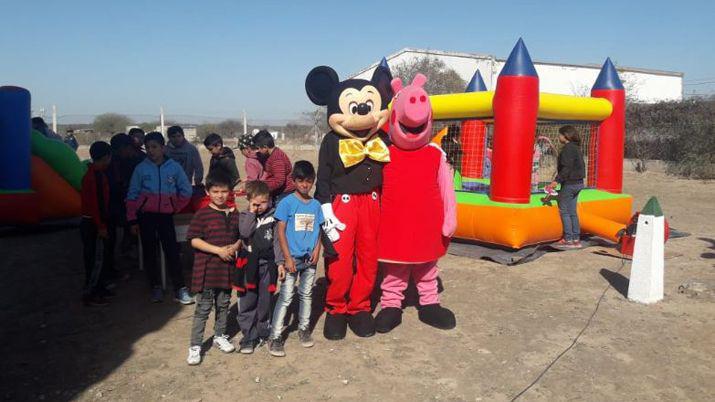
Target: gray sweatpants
[
  {"x": 254, "y": 309},
  {"x": 205, "y": 301}
]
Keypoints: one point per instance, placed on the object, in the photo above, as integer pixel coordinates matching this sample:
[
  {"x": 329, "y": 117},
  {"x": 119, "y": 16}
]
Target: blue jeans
[
  {"x": 568, "y": 197},
  {"x": 305, "y": 273}
]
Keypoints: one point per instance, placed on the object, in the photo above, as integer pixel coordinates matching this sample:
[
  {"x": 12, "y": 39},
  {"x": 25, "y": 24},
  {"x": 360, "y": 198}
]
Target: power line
[{"x": 700, "y": 83}]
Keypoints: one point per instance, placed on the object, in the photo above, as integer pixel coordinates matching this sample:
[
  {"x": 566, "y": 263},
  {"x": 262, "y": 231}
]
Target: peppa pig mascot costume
[{"x": 418, "y": 214}]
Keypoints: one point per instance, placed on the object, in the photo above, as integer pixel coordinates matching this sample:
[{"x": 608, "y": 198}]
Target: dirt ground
[{"x": 512, "y": 323}]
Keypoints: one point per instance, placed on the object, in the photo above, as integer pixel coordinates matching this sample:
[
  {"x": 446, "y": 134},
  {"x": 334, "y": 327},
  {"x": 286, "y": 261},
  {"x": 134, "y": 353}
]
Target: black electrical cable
[{"x": 588, "y": 323}]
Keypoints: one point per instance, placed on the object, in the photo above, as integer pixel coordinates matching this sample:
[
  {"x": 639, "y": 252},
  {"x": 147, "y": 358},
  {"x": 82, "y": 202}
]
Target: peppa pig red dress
[{"x": 412, "y": 207}]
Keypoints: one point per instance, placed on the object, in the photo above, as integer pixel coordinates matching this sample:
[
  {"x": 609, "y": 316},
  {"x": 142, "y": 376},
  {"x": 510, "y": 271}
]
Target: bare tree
[{"x": 440, "y": 78}]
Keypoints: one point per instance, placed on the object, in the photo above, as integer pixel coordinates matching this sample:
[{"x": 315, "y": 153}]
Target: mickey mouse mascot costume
[{"x": 350, "y": 163}]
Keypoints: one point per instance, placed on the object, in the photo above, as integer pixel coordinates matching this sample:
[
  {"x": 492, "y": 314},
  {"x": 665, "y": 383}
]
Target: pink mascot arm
[{"x": 446, "y": 187}]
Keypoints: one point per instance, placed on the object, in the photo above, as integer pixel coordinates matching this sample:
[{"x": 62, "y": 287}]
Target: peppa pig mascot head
[{"x": 411, "y": 116}]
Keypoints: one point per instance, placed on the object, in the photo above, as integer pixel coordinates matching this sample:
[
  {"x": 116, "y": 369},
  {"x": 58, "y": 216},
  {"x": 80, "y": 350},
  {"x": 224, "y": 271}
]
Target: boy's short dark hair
[
  {"x": 38, "y": 123},
  {"x": 98, "y": 150},
  {"x": 212, "y": 139},
  {"x": 119, "y": 141},
  {"x": 156, "y": 137},
  {"x": 173, "y": 130},
  {"x": 256, "y": 188},
  {"x": 303, "y": 170},
  {"x": 263, "y": 139},
  {"x": 134, "y": 131},
  {"x": 218, "y": 179},
  {"x": 570, "y": 133}
]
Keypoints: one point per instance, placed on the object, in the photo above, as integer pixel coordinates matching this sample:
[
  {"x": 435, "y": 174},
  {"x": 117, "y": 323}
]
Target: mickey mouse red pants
[{"x": 351, "y": 275}]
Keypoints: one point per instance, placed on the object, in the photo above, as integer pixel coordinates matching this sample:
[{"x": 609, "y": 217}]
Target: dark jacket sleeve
[
  {"x": 277, "y": 250},
  {"x": 228, "y": 165},
  {"x": 246, "y": 224},
  {"x": 568, "y": 158},
  {"x": 325, "y": 170}
]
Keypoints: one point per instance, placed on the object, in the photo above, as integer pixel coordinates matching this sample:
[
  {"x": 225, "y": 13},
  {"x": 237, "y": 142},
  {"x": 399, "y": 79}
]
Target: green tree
[
  {"x": 110, "y": 123},
  {"x": 440, "y": 78}
]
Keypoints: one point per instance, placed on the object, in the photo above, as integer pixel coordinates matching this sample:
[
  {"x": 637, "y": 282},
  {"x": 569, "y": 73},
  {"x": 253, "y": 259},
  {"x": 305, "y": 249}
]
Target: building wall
[{"x": 641, "y": 85}]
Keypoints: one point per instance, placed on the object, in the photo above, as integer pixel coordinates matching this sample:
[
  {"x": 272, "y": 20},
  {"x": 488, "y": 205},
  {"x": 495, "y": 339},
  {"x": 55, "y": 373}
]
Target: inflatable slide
[{"x": 40, "y": 178}]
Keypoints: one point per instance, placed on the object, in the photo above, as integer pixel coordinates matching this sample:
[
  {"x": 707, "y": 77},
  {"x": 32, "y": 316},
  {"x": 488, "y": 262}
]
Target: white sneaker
[
  {"x": 222, "y": 343},
  {"x": 194, "y": 356}
]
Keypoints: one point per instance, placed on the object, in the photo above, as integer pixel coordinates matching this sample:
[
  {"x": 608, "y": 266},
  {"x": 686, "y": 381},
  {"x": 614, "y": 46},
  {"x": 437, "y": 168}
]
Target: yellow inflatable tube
[
  {"x": 476, "y": 105},
  {"x": 565, "y": 107}
]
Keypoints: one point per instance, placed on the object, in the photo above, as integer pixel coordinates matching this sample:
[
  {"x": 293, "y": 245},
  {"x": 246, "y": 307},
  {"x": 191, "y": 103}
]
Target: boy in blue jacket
[{"x": 158, "y": 189}]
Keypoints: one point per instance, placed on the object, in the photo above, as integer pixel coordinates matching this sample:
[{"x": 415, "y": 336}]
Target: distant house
[{"x": 642, "y": 85}]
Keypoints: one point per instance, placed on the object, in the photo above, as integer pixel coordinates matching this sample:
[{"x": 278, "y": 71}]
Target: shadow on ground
[
  {"x": 617, "y": 281},
  {"x": 711, "y": 246},
  {"x": 53, "y": 347}
]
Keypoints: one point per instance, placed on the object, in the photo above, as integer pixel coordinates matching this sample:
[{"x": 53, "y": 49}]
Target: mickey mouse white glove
[{"x": 331, "y": 224}]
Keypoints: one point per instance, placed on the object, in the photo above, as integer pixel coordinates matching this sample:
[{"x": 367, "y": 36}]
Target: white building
[{"x": 641, "y": 85}]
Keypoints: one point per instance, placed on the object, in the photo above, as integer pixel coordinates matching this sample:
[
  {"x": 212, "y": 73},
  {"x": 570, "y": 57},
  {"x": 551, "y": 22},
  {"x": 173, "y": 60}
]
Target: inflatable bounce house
[
  {"x": 40, "y": 178},
  {"x": 503, "y": 144}
]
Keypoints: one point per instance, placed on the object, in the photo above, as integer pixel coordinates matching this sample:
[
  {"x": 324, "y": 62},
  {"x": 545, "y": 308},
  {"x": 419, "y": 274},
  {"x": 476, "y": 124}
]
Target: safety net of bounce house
[{"x": 468, "y": 145}]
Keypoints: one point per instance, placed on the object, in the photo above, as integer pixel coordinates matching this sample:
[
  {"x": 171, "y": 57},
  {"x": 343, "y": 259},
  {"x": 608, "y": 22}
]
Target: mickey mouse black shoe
[
  {"x": 335, "y": 327},
  {"x": 362, "y": 324},
  {"x": 388, "y": 319},
  {"x": 437, "y": 316}
]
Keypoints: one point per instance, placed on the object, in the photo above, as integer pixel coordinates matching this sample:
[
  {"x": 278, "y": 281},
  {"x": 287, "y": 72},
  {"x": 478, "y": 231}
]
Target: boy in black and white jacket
[{"x": 256, "y": 271}]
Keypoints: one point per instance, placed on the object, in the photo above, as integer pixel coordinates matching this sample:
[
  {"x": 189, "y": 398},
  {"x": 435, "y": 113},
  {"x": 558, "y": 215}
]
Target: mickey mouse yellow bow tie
[{"x": 353, "y": 151}]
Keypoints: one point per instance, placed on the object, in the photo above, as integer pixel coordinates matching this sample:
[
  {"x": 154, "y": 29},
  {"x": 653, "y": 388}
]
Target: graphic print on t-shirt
[{"x": 304, "y": 222}]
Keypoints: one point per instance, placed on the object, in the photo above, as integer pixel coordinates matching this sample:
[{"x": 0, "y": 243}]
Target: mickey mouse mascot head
[{"x": 350, "y": 164}]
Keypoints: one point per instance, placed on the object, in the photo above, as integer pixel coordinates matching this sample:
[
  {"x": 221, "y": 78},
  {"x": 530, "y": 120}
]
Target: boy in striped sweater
[
  {"x": 276, "y": 166},
  {"x": 214, "y": 233}
]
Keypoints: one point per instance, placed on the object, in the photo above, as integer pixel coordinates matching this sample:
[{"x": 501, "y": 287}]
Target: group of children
[
  {"x": 276, "y": 239},
  {"x": 248, "y": 251}
]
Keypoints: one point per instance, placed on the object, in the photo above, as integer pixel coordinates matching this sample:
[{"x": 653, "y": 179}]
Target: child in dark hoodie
[
  {"x": 95, "y": 225},
  {"x": 223, "y": 161}
]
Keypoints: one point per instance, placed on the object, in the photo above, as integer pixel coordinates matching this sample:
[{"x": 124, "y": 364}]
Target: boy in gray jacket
[{"x": 186, "y": 154}]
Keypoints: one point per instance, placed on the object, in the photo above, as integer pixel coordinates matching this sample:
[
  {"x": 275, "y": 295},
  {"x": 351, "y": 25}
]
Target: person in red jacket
[
  {"x": 94, "y": 225},
  {"x": 276, "y": 166}
]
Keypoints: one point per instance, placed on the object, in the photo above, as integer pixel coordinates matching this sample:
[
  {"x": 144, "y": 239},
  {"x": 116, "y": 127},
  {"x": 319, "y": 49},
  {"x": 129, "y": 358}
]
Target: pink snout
[{"x": 416, "y": 108}]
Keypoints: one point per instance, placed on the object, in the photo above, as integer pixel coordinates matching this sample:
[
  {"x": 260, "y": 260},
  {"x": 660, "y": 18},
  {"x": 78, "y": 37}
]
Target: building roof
[{"x": 501, "y": 60}]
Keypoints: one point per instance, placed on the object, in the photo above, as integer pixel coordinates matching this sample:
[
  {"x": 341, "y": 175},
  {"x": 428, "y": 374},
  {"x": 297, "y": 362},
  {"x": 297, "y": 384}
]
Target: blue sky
[{"x": 215, "y": 58}]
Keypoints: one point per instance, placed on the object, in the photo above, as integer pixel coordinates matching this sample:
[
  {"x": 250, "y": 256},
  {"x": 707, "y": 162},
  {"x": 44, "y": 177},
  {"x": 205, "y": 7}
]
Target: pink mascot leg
[
  {"x": 425, "y": 277},
  {"x": 394, "y": 284},
  {"x": 430, "y": 311}
]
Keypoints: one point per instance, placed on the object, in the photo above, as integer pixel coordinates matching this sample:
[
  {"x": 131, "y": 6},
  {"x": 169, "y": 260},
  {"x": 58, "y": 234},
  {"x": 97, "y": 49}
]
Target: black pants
[
  {"x": 254, "y": 309},
  {"x": 153, "y": 226},
  {"x": 97, "y": 273}
]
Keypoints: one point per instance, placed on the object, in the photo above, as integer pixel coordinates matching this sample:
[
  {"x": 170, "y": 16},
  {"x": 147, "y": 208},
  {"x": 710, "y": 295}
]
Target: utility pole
[
  {"x": 245, "y": 126},
  {"x": 161, "y": 119},
  {"x": 54, "y": 118},
  {"x": 316, "y": 142}
]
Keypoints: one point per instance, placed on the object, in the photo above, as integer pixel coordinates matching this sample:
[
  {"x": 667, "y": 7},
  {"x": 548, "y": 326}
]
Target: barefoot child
[
  {"x": 256, "y": 272},
  {"x": 299, "y": 218},
  {"x": 214, "y": 234}
]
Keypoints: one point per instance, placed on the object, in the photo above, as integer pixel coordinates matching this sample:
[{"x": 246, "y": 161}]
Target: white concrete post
[{"x": 647, "y": 270}]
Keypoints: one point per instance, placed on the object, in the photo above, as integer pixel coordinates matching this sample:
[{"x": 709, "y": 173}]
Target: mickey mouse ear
[{"x": 320, "y": 83}]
